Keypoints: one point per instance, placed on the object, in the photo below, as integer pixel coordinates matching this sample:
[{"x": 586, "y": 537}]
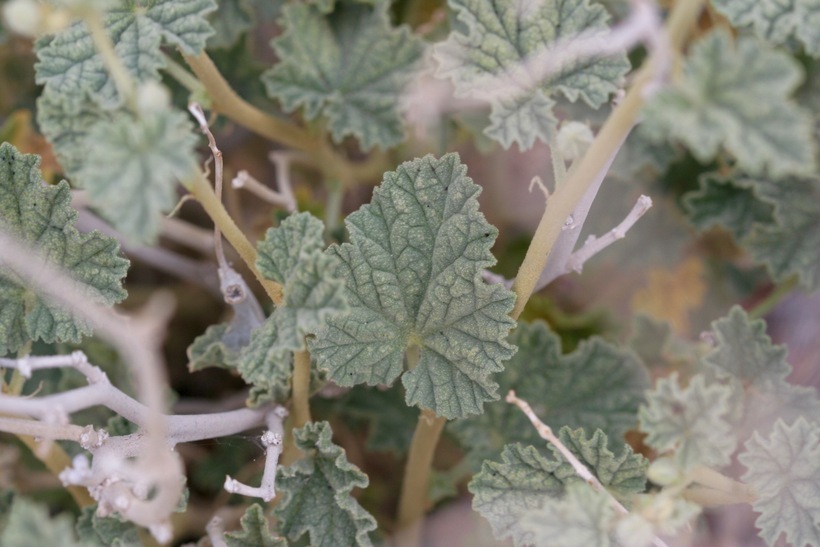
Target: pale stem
[
  {"x": 714, "y": 480},
  {"x": 105, "y": 47},
  {"x": 709, "y": 497},
  {"x": 281, "y": 161},
  {"x": 247, "y": 182},
  {"x": 185, "y": 78},
  {"x": 546, "y": 433},
  {"x": 216, "y": 531},
  {"x": 187, "y": 234},
  {"x": 273, "y": 440},
  {"x": 301, "y": 388},
  {"x": 593, "y": 165}
]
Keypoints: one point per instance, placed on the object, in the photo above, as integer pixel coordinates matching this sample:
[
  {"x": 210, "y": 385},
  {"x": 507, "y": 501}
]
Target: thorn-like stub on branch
[
  {"x": 162, "y": 531},
  {"x": 90, "y": 438},
  {"x": 24, "y": 367},
  {"x": 269, "y": 438}
]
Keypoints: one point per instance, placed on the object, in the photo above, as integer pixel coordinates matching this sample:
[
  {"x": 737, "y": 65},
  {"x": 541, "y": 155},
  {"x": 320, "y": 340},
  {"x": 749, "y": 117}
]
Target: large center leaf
[{"x": 412, "y": 270}]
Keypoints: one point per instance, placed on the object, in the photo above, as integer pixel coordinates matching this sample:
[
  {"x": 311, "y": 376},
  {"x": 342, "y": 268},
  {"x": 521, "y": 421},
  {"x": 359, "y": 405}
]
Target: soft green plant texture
[
  {"x": 30, "y": 525},
  {"x": 777, "y": 21},
  {"x": 99, "y": 531},
  {"x": 255, "y": 531}
]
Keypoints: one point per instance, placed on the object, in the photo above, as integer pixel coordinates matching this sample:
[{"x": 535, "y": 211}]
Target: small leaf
[
  {"x": 230, "y": 21},
  {"x": 70, "y": 65},
  {"x": 784, "y": 470},
  {"x": 41, "y": 216},
  {"x": 350, "y": 66},
  {"x": 598, "y": 386},
  {"x": 266, "y": 365},
  {"x": 776, "y": 20},
  {"x": 692, "y": 422},
  {"x": 731, "y": 204},
  {"x": 105, "y": 531},
  {"x": 494, "y": 40},
  {"x": 717, "y": 104},
  {"x": 30, "y": 525},
  {"x": 315, "y": 493},
  {"x": 255, "y": 531},
  {"x": 412, "y": 270},
  {"x": 582, "y": 517},
  {"x": 132, "y": 174}
]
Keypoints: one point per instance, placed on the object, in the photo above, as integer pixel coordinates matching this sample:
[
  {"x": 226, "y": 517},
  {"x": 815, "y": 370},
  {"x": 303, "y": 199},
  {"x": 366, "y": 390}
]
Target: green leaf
[
  {"x": 211, "y": 349},
  {"x": 493, "y": 40},
  {"x": 266, "y": 365},
  {"x": 582, "y": 517},
  {"x": 777, "y": 20},
  {"x": 70, "y": 65},
  {"x": 717, "y": 103},
  {"x": 108, "y": 531},
  {"x": 255, "y": 531},
  {"x": 315, "y": 493},
  {"x": 41, "y": 216},
  {"x": 131, "y": 176},
  {"x": 30, "y": 525},
  {"x": 391, "y": 421},
  {"x": 413, "y": 273},
  {"x": 505, "y": 492},
  {"x": 231, "y": 20},
  {"x": 598, "y": 386},
  {"x": 734, "y": 205},
  {"x": 784, "y": 470},
  {"x": 350, "y": 66},
  {"x": 692, "y": 422}
]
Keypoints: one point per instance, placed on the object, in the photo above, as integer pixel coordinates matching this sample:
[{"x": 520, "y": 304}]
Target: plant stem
[
  {"x": 203, "y": 192},
  {"x": 413, "y": 502},
  {"x": 773, "y": 298},
  {"x": 610, "y": 138},
  {"x": 301, "y": 388},
  {"x": 182, "y": 76},
  {"x": 105, "y": 47}
]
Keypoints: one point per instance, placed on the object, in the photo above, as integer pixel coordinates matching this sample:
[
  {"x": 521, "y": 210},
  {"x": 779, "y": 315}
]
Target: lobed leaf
[
  {"x": 413, "y": 274},
  {"x": 315, "y": 493},
  {"x": 349, "y": 66},
  {"x": 582, "y": 517},
  {"x": 717, "y": 104},
  {"x": 494, "y": 41},
  {"x": 733, "y": 205},
  {"x": 42, "y": 217},
  {"x": 777, "y": 20},
  {"x": 255, "y": 531},
  {"x": 784, "y": 470},
  {"x": 30, "y": 525},
  {"x": 99, "y": 531},
  {"x": 230, "y": 21}
]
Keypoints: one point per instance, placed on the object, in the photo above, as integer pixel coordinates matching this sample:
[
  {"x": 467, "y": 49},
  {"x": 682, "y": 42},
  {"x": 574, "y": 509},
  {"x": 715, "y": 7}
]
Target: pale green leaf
[
  {"x": 105, "y": 531},
  {"x": 692, "y": 422},
  {"x": 293, "y": 242},
  {"x": 255, "y": 531},
  {"x": 266, "y": 364},
  {"x": 724, "y": 202},
  {"x": 718, "y": 104},
  {"x": 213, "y": 349},
  {"x": 391, "y": 422},
  {"x": 413, "y": 273},
  {"x": 70, "y": 65},
  {"x": 582, "y": 517},
  {"x": 41, "y": 216},
  {"x": 131, "y": 176},
  {"x": 777, "y": 20},
  {"x": 231, "y": 20},
  {"x": 350, "y": 66},
  {"x": 315, "y": 493},
  {"x": 784, "y": 471},
  {"x": 30, "y": 525},
  {"x": 493, "y": 41},
  {"x": 598, "y": 386}
]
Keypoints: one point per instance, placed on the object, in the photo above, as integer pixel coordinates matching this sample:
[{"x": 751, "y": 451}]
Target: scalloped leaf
[
  {"x": 717, "y": 104},
  {"x": 348, "y": 66},
  {"x": 30, "y": 525},
  {"x": 315, "y": 493},
  {"x": 598, "y": 386},
  {"x": 582, "y": 517},
  {"x": 777, "y": 20},
  {"x": 692, "y": 421},
  {"x": 733, "y": 205},
  {"x": 132, "y": 175},
  {"x": 784, "y": 470},
  {"x": 255, "y": 531},
  {"x": 413, "y": 273},
  {"x": 42, "y": 216},
  {"x": 105, "y": 531},
  {"x": 230, "y": 21},
  {"x": 491, "y": 45},
  {"x": 70, "y": 65}
]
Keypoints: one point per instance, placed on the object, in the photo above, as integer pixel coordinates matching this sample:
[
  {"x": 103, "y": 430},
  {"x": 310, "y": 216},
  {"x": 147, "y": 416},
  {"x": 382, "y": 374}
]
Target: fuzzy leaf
[
  {"x": 784, "y": 470},
  {"x": 30, "y": 525},
  {"x": 413, "y": 273},
  {"x": 231, "y": 20},
  {"x": 582, "y": 517},
  {"x": 255, "y": 531},
  {"x": 41, "y": 216},
  {"x": 723, "y": 202},
  {"x": 598, "y": 386},
  {"x": 109, "y": 531},
  {"x": 718, "y": 104},
  {"x": 266, "y": 365},
  {"x": 350, "y": 66},
  {"x": 497, "y": 36},
  {"x": 133, "y": 172},
  {"x": 315, "y": 493},
  {"x": 777, "y": 20},
  {"x": 692, "y": 422},
  {"x": 70, "y": 65}
]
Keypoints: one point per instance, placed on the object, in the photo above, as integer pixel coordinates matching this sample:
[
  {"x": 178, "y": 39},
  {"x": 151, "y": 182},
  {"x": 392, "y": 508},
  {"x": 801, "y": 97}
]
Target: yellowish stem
[
  {"x": 105, "y": 47},
  {"x": 300, "y": 404}
]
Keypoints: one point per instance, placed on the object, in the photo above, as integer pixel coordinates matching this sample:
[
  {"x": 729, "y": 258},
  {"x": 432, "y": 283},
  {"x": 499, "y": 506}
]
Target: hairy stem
[
  {"x": 203, "y": 192},
  {"x": 300, "y": 402},
  {"x": 606, "y": 144}
]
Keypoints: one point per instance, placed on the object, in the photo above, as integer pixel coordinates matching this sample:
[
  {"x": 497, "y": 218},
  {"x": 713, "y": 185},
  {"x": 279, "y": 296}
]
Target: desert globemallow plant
[{"x": 322, "y": 272}]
